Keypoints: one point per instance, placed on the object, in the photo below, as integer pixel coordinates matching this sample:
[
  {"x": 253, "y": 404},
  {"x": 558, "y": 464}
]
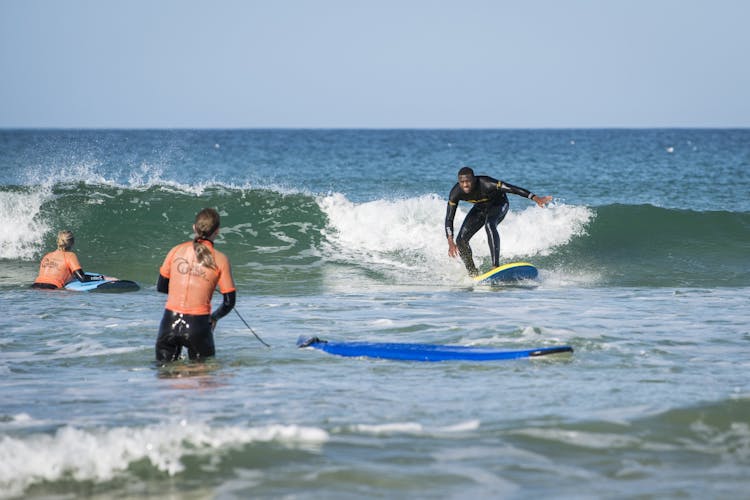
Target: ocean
[{"x": 643, "y": 261}]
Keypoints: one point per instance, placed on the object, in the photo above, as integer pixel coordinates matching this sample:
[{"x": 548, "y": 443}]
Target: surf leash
[{"x": 250, "y": 328}]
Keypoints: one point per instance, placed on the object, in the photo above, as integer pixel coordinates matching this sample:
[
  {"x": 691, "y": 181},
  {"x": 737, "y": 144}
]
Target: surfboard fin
[
  {"x": 303, "y": 341},
  {"x": 551, "y": 350}
]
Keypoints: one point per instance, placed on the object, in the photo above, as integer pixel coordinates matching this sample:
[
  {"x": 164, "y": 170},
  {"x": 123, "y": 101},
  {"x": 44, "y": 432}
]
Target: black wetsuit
[
  {"x": 193, "y": 331},
  {"x": 490, "y": 206},
  {"x": 189, "y": 330}
]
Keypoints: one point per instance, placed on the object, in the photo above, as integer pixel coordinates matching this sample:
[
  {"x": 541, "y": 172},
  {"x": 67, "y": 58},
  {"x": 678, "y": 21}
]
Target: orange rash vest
[
  {"x": 192, "y": 284},
  {"x": 57, "y": 268}
]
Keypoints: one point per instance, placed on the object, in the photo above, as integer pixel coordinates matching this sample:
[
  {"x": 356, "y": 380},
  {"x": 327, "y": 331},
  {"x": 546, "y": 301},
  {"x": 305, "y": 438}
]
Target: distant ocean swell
[{"x": 273, "y": 233}]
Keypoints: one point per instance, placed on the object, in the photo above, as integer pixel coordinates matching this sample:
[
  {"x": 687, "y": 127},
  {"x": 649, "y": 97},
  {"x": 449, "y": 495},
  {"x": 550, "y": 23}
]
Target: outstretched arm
[{"x": 510, "y": 188}]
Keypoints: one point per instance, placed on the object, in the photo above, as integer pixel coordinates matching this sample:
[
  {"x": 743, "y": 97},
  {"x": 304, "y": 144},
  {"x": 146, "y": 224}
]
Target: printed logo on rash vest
[
  {"x": 48, "y": 263},
  {"x": 194, "y": 269}
]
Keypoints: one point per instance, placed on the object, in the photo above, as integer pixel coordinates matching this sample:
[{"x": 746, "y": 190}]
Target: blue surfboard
[
  {"x": 107, "y": 284},
  {"x": 423, "y": 352},
  {"x": 508, "y": 273}
]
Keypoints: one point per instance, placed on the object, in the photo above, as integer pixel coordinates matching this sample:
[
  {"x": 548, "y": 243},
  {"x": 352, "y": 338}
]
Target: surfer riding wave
[{"x": 490, "y": 200}]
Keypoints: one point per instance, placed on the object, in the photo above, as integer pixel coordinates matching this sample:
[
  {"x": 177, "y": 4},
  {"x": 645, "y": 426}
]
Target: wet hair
[
  {"x": 466, "y": 171},
  {"x": 65, "y": 240},
  {"x": 206, "y": 223}
]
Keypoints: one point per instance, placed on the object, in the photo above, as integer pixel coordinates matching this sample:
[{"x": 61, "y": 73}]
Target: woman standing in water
[{"x": 189, "y": 275}]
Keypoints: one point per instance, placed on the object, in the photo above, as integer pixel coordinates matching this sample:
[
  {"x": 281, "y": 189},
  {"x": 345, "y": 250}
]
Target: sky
[{"x": 374, "y": 63}]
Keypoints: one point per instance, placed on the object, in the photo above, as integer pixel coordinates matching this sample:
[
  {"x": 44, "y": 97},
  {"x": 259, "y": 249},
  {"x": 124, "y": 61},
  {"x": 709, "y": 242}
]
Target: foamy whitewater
[{"x": 643, "y": 261}]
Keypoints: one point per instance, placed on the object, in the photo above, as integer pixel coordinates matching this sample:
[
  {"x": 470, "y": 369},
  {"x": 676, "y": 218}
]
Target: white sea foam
[
  {"x": 469, "y": 425},
  {"x": 23, "y": 229},
  {"x": 391, "y": 428},
  {"x": 49, "y": 175},
  {"x": 538, "y": 231},
  {"x": 566, "y": 277},
  {"x": 19, "y": 418},
  {"x": 382, "y": 323},
  {"x": 141, "y": 178},
  {"x": 381, "y": 226},
  {"x": 414, "y": 428},
  {"x": 149, "y": 176},
  {"x": 100, "y": 454},
  {"x": 591, "y": 440},
  {"x": 406, "y": 235}
]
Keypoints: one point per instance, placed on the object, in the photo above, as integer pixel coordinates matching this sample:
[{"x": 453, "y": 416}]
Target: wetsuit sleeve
[
  {"x": 162, "y": 284},
  {"x": 83, "y": 277},
  {"x": 449, "y": 215},
  {"x": 226, "y": 306},
  {"x": 71, "y": 260},
  {"x": 510, "y": 188},
  {"x": 450, "y": 212}
]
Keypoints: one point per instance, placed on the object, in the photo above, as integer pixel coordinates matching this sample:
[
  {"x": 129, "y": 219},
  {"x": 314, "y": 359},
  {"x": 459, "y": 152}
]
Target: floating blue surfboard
[
  {"x": 107, "y": 284},
  {"x": 423, "y": 352},
  {"x": 508, "y": 273}
]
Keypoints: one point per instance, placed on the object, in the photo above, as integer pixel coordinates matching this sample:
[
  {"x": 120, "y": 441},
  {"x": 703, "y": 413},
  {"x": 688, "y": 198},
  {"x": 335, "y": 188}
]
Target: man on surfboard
[{"x": 490, "y": 200}]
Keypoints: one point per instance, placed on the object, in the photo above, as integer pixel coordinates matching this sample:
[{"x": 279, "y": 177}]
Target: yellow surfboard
[{"x": 514, "y": 271}]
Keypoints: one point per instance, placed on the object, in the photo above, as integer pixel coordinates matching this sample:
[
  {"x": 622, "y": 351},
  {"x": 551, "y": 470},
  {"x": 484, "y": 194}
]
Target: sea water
[{"x": 643, "y": 260}]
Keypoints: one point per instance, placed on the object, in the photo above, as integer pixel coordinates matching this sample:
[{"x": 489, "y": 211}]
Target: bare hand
[
  {"x": 452, "y": 249},
  {"x": 542, "y": 200}
]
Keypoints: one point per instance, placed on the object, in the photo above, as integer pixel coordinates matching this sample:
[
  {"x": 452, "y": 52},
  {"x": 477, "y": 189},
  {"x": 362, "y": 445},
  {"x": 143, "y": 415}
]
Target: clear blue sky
[{"x": 374, "y": 64}]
